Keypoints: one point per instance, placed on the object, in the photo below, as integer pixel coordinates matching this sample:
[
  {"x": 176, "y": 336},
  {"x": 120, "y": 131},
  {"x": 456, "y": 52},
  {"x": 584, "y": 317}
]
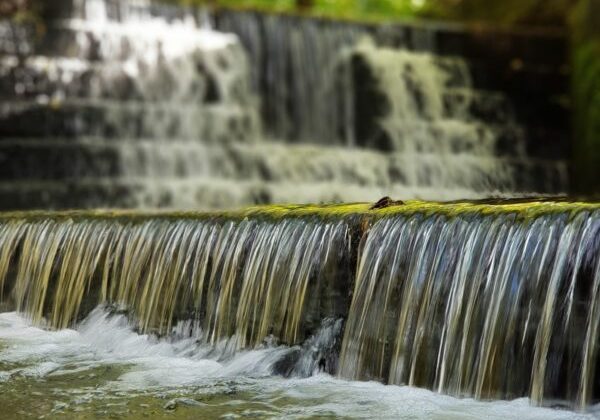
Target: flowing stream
[
  {"x": 444, "y": 313},
  {"x": 488, "y": 304},
  {"x": 105, "y": 369}
]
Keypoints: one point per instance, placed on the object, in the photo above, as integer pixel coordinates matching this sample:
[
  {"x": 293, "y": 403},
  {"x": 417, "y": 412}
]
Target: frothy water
[
  {"x": 105, "y": 367},
  {"x": 491, "y": 302}
]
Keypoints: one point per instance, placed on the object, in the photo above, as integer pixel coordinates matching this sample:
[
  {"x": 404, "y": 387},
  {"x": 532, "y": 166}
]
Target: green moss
[
  {"x": 364, "y": 10},
  {"x": 506, "y": 12},
  {"x": 522, "y": 209}
]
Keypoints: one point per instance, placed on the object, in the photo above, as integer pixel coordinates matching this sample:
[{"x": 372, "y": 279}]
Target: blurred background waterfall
[
  {"x": 407, "y": 309},
  {"x": 142, "y": 103}
]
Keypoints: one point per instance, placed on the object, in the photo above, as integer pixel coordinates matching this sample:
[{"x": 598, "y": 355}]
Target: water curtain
[{"x": 490, "y": 301}]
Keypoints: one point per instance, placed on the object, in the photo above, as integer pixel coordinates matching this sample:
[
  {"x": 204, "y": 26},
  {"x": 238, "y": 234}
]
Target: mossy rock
[{"x": 522, "y": 208}]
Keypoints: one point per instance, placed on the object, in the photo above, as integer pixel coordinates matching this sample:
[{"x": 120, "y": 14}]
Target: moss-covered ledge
[{"x": 521, "y": 208}]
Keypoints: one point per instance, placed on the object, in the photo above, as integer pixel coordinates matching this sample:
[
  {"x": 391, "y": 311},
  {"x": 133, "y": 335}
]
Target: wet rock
[
  {"x": 386, "y": 202},
  {"x": 59, "y": 406},
  {"x": 189, "y": 402},
  {"x": 371, "y": 105},
  {"x": 286, "y": 365},
  {"x": 175, "y": 402},
  {"x": 230, "y": 416},
  {"x": 170, "y": 405}
]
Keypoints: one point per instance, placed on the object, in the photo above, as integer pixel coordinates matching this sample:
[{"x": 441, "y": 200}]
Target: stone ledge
[
  {"x": 69, "y": 161},
  {"x": 521, "y": 208}
]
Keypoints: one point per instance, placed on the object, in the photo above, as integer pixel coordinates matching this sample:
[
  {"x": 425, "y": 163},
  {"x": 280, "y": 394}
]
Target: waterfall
[
  {"x": 294, "y": 68},
  {"x": 490, "y": 307},
  {"x": 373, "y": 87},
  {"x": 137, "y": 104},
  {"x": 245, "y": 279},
  {"x": 489, "y": 301}
]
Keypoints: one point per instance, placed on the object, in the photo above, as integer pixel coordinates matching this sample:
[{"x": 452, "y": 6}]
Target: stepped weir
[
  {"x": 493, "y": 301},
  {"x": 137, "y": 104}
]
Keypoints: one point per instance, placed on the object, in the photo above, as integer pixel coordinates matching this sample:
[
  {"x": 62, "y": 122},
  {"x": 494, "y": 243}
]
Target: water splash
[
  {"x": 495, "y": 306},
  {"x": 104, "y": 367}
]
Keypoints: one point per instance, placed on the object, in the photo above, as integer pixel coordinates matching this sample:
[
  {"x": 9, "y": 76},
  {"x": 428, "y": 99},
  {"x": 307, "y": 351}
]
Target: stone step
[
  {"x": 55, "y": 77},
  {"x": 517, "y": 77},
  {"x": 55, "y": 160},
  {"x": 43, "y": 77},
  {"x": 268, "y": 162},
  {"x": 485, "y": 106},
  {"x": 16, "y": 39},
  {"x": 203, "y": 194},
  {"x": 118, "y": 119},
  {"x": 223, "y": 123},
  {"x": 443, "y": 136},
  {"x": 171, "y": 157}
]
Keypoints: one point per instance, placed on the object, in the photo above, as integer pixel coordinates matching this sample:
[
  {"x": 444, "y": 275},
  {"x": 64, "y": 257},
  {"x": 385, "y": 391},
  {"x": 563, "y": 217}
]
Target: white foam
[{"x": 151, "y": 364}]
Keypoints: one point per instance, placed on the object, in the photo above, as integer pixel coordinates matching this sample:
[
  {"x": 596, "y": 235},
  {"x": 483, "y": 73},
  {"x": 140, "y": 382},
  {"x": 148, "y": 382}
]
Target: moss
[
  {"x": 522, "y": 209},
  {"x": 365, "y": 10},
  {"x": 508, "y": 12}
]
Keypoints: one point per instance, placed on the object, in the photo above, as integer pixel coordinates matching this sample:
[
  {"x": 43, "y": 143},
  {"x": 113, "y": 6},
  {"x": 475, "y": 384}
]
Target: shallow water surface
[{"x": 104, "y": 369}]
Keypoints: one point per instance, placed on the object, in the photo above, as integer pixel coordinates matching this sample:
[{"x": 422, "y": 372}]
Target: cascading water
[
  {"x": 328, "y": 82},
  {"x": 277, "y": 312},
  {"x": 489, "y": 307},
  {"x": 141, "y": 105},
  {"x": 246, "y": 279},
  {"x": 493, "y": 302}
]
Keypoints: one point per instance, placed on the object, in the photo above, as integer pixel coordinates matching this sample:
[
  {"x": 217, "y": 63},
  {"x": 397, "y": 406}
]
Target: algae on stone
[{"x": 523, "y": 208}]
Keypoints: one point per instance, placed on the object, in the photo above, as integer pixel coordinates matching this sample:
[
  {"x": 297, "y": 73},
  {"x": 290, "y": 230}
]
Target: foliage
[
  {"x": 503, "y": 12},
  {"x": 20, "y": 10},
  {"x": 345, "y": 9},
  {"x": 499, "y": 12},
  {"x": 586, "y": 96},
  {"x": 24, "y": 12}
]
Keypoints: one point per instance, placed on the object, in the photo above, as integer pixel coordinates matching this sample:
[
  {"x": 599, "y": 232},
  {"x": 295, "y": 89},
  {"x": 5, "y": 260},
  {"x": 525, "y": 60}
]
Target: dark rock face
[{"x": 370, "y": 105}]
